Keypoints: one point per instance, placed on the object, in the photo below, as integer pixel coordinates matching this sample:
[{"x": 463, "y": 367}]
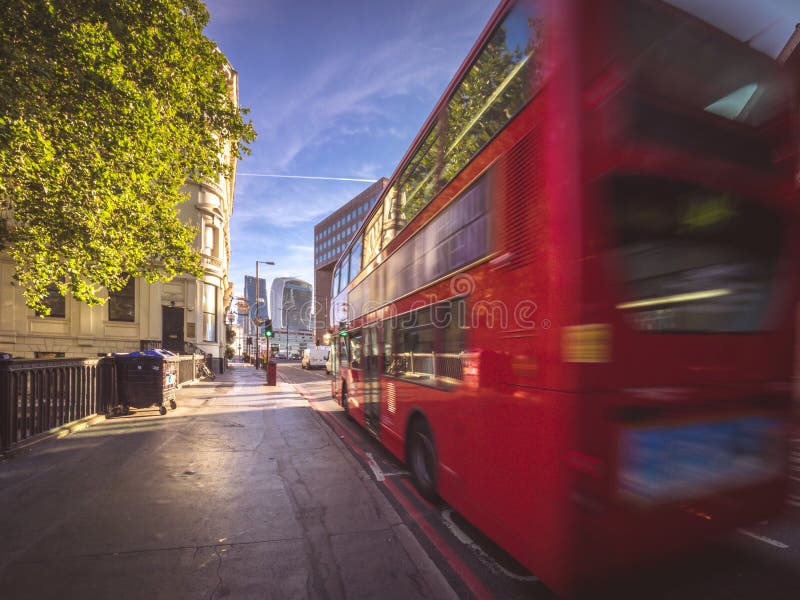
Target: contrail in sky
[{"x": 304, "y": 177}]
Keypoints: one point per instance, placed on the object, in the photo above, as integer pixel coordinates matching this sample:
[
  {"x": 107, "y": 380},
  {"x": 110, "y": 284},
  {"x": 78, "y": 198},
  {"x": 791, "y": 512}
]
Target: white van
[{"x": 314, "y": 357}]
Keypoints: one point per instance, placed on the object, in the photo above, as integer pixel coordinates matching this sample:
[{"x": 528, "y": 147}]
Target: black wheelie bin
[{"x": 147, "y": 378}]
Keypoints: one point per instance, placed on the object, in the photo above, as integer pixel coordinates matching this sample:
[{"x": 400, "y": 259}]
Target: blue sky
[
  {"x": 336, "y": 89},
  {"x": 339, "y": 88}
]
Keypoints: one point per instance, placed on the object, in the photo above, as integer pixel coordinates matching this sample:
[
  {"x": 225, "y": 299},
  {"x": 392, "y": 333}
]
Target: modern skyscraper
[
  {"x": 292, "y": 303},
  {"x": 291, "y": 300}
]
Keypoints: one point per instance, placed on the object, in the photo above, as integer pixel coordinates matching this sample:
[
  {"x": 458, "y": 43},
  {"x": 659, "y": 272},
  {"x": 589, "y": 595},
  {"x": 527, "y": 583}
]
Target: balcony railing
[{"x": 211, "y": 261}]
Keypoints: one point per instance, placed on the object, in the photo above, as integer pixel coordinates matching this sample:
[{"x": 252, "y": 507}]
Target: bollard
[{"x": 272, "y": 372}]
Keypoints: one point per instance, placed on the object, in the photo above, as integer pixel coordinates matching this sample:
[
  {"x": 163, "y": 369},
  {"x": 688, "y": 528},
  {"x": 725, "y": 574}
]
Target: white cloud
[{"x": 352, "y": 85}]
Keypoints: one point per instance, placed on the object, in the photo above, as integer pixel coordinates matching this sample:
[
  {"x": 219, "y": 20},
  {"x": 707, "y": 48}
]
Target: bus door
[{"x": 370, "y": 388}]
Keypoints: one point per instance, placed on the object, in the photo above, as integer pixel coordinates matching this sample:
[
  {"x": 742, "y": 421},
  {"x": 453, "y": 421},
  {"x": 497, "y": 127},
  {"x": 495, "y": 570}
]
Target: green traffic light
[{"x": 343, "y": 333}]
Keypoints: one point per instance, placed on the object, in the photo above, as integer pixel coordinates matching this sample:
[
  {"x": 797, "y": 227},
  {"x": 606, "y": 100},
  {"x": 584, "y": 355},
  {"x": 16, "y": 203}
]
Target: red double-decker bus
[{"x": 571, "y": 311}]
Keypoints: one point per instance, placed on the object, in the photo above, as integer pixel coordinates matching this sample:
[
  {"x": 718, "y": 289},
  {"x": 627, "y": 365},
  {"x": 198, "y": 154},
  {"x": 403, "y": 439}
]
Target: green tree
[{"x": 106, "y": 109}]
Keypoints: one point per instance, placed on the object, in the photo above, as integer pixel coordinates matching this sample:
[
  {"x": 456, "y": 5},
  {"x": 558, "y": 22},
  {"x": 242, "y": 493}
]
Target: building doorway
[{"x": 172, "y": 329}]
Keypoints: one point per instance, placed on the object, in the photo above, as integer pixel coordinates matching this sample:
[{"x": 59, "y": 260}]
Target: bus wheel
[{"x": 422, "y": 459}]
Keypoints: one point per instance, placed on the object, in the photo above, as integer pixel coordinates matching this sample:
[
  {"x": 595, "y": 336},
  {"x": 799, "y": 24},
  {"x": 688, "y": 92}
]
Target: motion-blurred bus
[{"x": 571, "y": 311}]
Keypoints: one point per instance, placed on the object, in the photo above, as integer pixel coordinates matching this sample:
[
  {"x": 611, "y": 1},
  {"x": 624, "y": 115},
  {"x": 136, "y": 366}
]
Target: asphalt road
[
  {"x": 758, "y": 562},
  {"x": 241, "y": 492}
]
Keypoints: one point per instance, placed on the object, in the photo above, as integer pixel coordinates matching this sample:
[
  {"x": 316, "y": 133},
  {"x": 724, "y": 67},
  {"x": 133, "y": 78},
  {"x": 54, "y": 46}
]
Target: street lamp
[
  {"x": 286, "y": 324},
  {"x": 258, "y": 318},
  {"x": 242, "y": 309}
]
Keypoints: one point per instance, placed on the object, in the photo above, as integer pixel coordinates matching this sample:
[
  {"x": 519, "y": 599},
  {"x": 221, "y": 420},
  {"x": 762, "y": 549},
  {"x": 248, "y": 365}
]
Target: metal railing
[
  {"x": 149, "y": 344},
  {"x": 38, "y": 395},
  {"x": 187, "y": 368}
]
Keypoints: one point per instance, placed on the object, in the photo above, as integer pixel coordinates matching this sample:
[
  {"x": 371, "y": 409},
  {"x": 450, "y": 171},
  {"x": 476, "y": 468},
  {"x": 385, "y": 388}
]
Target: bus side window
[
  {"x": 389, "y": 363},
  {"x": 355, "y": 351}
]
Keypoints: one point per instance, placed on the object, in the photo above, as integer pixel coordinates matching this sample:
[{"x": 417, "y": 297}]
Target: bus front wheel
[{"x": 422, "y": 459}]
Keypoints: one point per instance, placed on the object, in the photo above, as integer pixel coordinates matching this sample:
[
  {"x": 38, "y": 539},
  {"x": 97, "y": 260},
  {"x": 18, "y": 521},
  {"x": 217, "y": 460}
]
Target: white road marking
[
  {"x": 397, "y": 474},
  {"x": 794, "y": 503},
  {"x": 380, "y": 475},
  {"x": 793, "y": 478},
  {"x": 375, "y": 468},
  {"x": 462, "y": 537},
  {"x": 762, "y": 538}
]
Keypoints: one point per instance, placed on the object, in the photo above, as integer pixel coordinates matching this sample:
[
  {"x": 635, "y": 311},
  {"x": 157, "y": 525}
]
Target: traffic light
[{"x": 268, "y": 333}]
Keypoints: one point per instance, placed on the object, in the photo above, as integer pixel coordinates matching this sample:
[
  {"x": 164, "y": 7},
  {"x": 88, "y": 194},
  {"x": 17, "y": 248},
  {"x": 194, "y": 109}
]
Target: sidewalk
[{"x": 242, "y": 492}]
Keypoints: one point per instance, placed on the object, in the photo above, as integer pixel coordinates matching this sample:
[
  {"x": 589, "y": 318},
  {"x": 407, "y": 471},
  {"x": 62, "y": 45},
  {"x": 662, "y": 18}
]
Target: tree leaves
[{"x": 107, "y": 109}]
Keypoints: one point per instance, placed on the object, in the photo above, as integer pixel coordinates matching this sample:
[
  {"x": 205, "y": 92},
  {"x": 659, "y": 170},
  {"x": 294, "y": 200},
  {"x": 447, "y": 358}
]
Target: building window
[
  {"x": 56, "y": 302},
  {"x": 211, "y": 240},
  {"x": 122, "y": 303},
  {"x": 209, "y": 313}
]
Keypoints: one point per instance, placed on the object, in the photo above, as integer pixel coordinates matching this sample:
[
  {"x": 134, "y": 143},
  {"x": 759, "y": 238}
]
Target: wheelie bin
[{"x": 147, "y": 378}]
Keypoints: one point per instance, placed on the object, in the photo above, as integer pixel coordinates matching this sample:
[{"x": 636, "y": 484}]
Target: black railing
[
  {"x": 41, "y": 394},
  {"x": 189, "y": 367},
  {"x": 150, "y": 344},
  {"x": 38, "y": 395}
]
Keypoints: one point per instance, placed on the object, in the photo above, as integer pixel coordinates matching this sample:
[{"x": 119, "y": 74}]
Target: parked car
[
  {"x": 315, "y": 357},
  {"x": 294, "y": 356},
  {"x": 280, "y": 356}
]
